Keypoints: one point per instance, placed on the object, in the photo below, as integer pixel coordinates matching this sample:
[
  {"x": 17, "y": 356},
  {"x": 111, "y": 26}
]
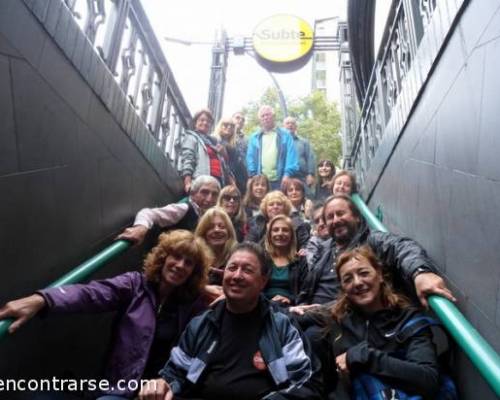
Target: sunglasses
[
  {"x": 228, "y": 124},
  {"x": 228, "y": 198}
]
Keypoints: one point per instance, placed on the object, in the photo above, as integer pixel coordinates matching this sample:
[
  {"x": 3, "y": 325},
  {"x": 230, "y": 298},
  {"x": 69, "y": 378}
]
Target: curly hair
[
  {"x": 180, "y": 243},
  {"x": 389, "y": 297},
  {"x": 275, "y": 195},
  {"x": 268, "y": 244},
  {"x": 198, "y": 114}
]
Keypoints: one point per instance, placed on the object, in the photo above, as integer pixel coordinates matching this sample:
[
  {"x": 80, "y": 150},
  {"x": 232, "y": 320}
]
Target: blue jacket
[
  {"x": 284, "y": 351},
  {"x": 287, "y": 165}
]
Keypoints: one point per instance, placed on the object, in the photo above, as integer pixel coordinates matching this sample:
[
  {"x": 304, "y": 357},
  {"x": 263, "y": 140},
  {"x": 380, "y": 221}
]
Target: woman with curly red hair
[{"x": 152, "y": 306}]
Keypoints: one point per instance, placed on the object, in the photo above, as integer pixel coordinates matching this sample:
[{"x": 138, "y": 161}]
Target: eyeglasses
[
  {"x": 228, "y": 124},
  {"x": 228, "y": 198}
]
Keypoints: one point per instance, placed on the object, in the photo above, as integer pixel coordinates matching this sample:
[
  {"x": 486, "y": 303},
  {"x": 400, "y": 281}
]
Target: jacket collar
[{"x": 218, "y": 311}]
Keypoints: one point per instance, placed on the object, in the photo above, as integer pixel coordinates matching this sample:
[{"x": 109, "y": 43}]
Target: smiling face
[
  {"x": 203, "y": 124},
  {"x": 361, "y": 283},
  {"x": 281, "y": 234},
  {"x": 342, "y": 185},
  {"x": 325, "y": 170},
  {"x": 217, "y": 234},
  {"x": 176, "y": 270},
  {"x": 273, "y": 208},
  {"x": 243, "y": 280},
  {"x": 259, "y": 189},
  {"x": 341, "y": 222}
]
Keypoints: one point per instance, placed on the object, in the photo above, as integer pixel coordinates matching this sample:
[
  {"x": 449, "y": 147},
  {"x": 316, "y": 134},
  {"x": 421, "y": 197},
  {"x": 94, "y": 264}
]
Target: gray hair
[
  {"x": 263, "y": 108},
  {"x": 290, "y": 119},
  {"x": 204, "y": 180}
]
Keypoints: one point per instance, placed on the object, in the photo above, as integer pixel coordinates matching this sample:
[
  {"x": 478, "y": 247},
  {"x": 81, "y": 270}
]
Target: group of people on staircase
[{"x": 265, "y": 282}]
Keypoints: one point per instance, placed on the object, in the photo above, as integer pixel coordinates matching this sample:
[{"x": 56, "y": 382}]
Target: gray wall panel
[
  {"x": 8, "y": 147},
  {"x": 78, "y": 182},
  {"x": 446, "y": 165}
]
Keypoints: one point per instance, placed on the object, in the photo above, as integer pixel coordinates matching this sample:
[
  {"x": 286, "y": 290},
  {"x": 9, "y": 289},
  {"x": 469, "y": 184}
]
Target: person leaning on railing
[
  {"x": 153, "y": 306},
  {"x": 181, "y": 215}
]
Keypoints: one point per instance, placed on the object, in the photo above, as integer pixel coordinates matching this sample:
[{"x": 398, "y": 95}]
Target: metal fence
[
  {"x": 415, "y": 32},
  {"x": 121, "y": 34}
]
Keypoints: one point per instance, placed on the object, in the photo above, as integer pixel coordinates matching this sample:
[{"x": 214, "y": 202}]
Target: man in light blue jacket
[{"x": 271, "y": 151}]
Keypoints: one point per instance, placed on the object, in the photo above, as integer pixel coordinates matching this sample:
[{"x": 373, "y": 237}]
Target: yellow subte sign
[{"x": 283, "y": 38}]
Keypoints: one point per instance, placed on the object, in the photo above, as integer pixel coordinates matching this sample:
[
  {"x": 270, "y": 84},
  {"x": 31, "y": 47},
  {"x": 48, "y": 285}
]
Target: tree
[{"x": 318, "y": 120}]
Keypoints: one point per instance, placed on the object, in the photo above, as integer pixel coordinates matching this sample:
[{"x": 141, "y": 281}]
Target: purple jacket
[{"x": 135, "y": 327}]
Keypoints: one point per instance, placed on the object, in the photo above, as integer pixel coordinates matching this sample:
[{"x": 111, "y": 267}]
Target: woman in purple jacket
[{"x": 154, "y": 306}]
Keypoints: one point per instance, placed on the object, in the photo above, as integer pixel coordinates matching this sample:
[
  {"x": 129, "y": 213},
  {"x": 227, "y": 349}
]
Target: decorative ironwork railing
[
  {"x": 400, "y": 71},
  {"x": 121, "y": 34}
]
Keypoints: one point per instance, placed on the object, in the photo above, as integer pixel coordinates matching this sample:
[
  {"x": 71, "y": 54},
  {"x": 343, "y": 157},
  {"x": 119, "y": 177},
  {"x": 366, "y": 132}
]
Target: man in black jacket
[
  {"x": 243, "y": 348},
  {"x": 410, "y": 266}
]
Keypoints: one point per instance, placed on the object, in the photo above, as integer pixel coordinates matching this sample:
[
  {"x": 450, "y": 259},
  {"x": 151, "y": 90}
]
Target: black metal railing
[
  {"x": 400, "y": 72},
  {"x": 122, "y": 36}
]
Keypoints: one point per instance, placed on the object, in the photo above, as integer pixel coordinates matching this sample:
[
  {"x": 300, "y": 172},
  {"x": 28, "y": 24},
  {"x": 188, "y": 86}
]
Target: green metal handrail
[
  {"x": 81, "y": 272},
  {"x": 481, "y": 354}
]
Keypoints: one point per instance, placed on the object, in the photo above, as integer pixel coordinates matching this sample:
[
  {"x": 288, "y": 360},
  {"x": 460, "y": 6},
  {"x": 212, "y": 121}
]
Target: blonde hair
[
  {"x": 269, "y": 246},
  {"x": 205, "y": 223},
  {"x": 218, "y": 129},
  {"x": 233, "y": 191},
  {"x": 180, "y": 243},
  {"x": 275, "y": 195},
  {"x": 389, "y": 297}
]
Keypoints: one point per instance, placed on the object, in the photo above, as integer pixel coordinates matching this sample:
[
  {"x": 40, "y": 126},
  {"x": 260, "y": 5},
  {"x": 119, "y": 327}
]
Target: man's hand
[
  {"x": 309, "y": 180},
  {"x": 427, "y": 283},
  {"x": 22, "y": 310},
  {"x": 282, "y": 299},
  {"x": 301, "y": 310},
  {"x": 156, "y": 389},
  {"x": 135, "y": 234}
]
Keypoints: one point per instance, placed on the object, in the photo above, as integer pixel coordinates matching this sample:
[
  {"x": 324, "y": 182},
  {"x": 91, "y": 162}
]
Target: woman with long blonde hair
[
  {"x": 216, "y": 229},
  {"x": 288, "y": 271}
]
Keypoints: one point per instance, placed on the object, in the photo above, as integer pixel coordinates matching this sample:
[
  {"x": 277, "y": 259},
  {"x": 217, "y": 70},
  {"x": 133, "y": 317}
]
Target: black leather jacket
[{"x": 402, "y": 255}]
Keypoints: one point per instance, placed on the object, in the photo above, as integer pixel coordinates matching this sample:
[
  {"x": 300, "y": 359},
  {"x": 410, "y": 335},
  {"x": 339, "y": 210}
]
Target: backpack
[{"x": 369, "y": 387}]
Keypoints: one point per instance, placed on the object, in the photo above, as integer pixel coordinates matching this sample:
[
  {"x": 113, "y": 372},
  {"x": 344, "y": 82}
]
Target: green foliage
[{"x": 318, "y": 120}]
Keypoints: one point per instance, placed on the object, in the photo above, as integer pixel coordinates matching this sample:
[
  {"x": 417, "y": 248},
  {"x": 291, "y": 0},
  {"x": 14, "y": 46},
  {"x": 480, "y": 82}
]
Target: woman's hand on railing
[
  {"x": 429, "y": 283},
  {"x": 134, "y": 234},
  {"x": 22, "y": 310}
]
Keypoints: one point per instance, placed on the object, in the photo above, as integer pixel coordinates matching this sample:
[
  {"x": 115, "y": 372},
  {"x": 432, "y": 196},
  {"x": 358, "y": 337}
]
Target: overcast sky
[{"x": 198, "y": 20}]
